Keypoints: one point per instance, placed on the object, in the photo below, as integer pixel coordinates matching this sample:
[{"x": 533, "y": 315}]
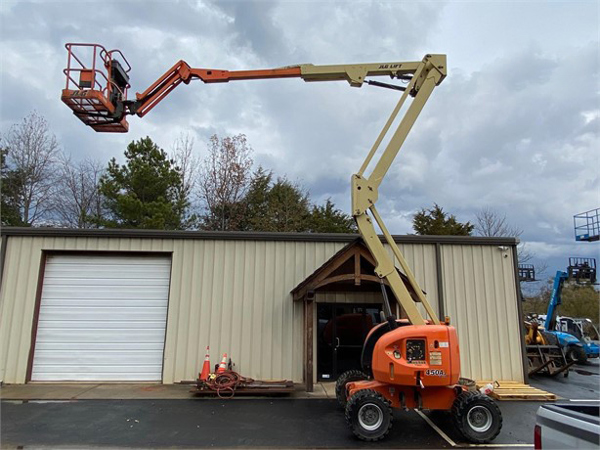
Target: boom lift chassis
[{"x": 411, "y": 364}]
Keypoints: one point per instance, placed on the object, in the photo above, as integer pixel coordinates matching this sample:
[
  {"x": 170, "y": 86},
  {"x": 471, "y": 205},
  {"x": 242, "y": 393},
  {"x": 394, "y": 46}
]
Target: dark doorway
[{"x": 341, "y": 331}]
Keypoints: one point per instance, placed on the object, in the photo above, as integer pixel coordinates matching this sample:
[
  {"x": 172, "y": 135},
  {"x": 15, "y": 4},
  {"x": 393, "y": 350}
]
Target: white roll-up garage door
[{"x": 102, "y": 318}]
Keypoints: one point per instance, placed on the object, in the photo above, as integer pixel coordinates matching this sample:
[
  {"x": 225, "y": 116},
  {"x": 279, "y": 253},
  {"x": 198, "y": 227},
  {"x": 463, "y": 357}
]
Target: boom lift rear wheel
[
  {"x": 369, "y": 415},
  {"x": 340, "y": 385}
]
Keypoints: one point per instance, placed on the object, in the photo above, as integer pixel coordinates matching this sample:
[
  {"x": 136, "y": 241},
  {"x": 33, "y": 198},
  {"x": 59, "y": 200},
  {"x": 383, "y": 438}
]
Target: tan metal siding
[
  {"x": 421, "y": 259},
  {"x": 16, "y": 311},
  {"x": 234, "y": 296},
  {"x": 480, "y": 298},
  {"x": 231, "y": 295}
]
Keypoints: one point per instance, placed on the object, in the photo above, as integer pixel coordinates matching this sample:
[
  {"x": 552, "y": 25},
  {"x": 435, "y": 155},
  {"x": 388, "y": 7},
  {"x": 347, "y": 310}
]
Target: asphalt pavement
[
  {"x": 582, "y": 383},
  {"x": 275, "y": 423},
  {"x": 254, "y": 423},
  {"x": 208, "y": 423}
]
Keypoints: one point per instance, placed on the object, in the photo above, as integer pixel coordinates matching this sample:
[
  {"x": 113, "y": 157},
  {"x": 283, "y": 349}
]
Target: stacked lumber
[{"x": 513, "y": 390}]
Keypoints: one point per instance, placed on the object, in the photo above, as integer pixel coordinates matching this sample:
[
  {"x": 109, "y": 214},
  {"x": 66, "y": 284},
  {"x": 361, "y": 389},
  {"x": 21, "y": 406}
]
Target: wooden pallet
[{"x": 513, "y": 390}]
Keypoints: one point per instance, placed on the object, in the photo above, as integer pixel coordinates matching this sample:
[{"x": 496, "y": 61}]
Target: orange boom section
[
  {"x": 98, "y": 80},
  {"x": 97, "y": 83}
]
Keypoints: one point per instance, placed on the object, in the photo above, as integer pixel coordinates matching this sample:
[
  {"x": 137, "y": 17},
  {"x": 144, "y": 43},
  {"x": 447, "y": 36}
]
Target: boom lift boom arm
[
  {"x": 182, "y": 72},
  {"x": 109, "y": 107}
]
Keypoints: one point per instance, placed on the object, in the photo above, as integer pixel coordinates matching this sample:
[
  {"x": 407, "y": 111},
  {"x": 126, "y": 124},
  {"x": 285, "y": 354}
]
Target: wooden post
[
  {"x": 308, "y": 314},
  {"x": 304, "y": 339}
]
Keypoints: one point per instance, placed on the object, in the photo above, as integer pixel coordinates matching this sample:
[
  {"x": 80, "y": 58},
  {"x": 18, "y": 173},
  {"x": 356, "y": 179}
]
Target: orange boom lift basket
[{"x": 97, "y": 80}]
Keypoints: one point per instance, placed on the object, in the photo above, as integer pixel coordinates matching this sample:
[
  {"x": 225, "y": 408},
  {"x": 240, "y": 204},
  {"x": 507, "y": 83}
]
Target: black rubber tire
[
  {"x": 464, "y": 405},
  {"x": 345, "y": 378},
  {"x": 374, "y": 406},
  {"x": 576, "y": 354}
]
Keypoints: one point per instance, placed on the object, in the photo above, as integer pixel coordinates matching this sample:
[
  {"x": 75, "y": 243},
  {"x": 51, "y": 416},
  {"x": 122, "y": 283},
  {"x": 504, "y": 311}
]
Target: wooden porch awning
[{"x": 350, "y": 269}]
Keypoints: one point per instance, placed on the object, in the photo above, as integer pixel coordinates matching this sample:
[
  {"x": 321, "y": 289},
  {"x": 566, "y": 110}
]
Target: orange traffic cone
[
  {"x": 205, "y": 367},
  {"x": 223, "y": 366}
]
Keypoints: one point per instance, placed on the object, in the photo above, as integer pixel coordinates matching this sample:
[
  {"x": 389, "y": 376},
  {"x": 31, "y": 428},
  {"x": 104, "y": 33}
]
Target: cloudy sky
[{"x": 515, "y": 127}]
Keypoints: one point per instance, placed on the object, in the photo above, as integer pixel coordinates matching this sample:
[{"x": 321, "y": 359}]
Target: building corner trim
[{"x": 520, "y": 312}]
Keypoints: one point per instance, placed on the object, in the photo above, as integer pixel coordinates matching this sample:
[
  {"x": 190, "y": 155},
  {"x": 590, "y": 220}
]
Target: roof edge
[{"x": 246, "y": 236}]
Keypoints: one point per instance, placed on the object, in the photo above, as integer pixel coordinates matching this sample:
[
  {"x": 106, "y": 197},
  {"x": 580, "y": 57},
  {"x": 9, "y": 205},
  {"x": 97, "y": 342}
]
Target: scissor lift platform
[
  {"x": 582, "y": 270},
  {"x": 587, "y": 225},
  {"x": 526, "y": 272}
]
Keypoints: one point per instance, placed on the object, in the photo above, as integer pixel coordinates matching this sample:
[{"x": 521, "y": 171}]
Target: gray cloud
[{"x": 515, "y": 126}]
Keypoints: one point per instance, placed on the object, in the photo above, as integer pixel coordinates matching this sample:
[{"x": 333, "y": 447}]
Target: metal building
[{"x": 139, "y": 305}]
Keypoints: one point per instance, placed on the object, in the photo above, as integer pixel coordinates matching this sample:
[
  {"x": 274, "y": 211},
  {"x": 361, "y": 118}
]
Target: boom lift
[{"x": 412, "y": 363}]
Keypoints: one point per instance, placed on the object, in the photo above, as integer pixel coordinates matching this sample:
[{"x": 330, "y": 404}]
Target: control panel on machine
[{"x": 415, "y": 351}]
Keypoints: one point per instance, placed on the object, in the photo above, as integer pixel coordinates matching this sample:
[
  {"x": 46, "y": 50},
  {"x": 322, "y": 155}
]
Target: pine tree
[
  {"x": 328, "y": 219},
  {"x": 10, "y": 186},
  {"x": 435, "y": 221},
  {"x": 146, "y": 192}
]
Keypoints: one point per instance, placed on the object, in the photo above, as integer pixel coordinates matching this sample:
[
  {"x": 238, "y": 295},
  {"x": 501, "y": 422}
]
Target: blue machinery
[
  {"x": 571, "y": 339},
  {"x": 555, "y": 299},
  {"x": 565, "y": 340}
]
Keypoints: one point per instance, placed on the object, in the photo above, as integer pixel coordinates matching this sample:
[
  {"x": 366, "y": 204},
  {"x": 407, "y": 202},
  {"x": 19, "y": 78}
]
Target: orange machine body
[
  {"x": 417, "y": 354},
  {"x": 415, "y": 366}
]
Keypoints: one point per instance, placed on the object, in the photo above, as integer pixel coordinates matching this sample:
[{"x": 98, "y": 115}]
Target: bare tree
[
  {"x": 78, "y": 201},
  {"x": 188, "y": 165},
  {"x": 490, "y": 223},
  {"x": 32, "y": 153},
  {"x": 183, "y": 154},
  {"x": 224, "y": 178}
]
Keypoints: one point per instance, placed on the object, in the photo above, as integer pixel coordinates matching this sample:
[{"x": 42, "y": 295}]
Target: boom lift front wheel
[{"x": 369, "y": 415}]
